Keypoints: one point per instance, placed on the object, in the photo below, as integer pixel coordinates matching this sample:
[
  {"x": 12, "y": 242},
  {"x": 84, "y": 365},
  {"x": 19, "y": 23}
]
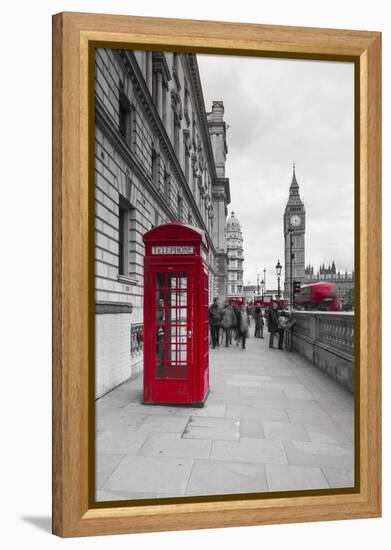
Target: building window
[
  {"x": 124, "y": 219},
  {"x": 180, "y": 208},
  {"x": 186, "y": 106},
  {"x": 156, "y": 220},
  {"x": 127, "y": 119},
  {"x": 164, "y": 104},
  {"x": 233, "y": 289},
  {"x": 122, "y": 240},
  {"x": 155, "y": 161},
  {"x": 155, "y": 90},
  {"x": 187, "y": 162},
  {"x": 167, "y": 187},
  {"x": 177, "y": 126}
]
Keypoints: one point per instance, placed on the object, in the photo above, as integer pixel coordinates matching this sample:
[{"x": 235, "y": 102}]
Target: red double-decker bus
[
  {"x": 321, "y": 296},
  {"x": 268, "y": 299}
]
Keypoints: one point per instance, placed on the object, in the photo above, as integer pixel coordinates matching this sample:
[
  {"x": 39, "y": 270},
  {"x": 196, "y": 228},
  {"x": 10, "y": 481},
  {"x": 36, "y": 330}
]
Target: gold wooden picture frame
[{"x": 75, "y": 35}]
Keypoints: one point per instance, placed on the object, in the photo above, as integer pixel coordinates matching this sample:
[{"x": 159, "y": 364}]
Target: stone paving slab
[
  {"x": 137, "y": 408},
  {"x": 316, "y": 416},
  {"x": 227, "y": 399},
  {"x": 325, "y": 433},
  {"x": 284, "y": 404},
  {"x": 262, "y": 392},
  {"x": 348, "y": 429},
  {"x": 171, "y": 445},
  {"x": 256, "y": 412},
  {"x": 213, "y": 410},
  {"x": 105, "y": 466},
  {"x": 250, "y": 450},
  {"x": 154, "y": 423},
  {"x": 293, "y": 478},
  {"x": 285, "y": 431},
  {"x": 120, "y": 418},
  {"x": 272, "y": 422},
  {"x": 213, "y": 477},
  {"x": 212, "y": 428},
  {"x": 251, "y": 428},
  {"x": 301, "y": 453},
  {"x": 120, "y": 441},
  {"x": 339, "y": 477},
  {"x": 151, "y": 475}
]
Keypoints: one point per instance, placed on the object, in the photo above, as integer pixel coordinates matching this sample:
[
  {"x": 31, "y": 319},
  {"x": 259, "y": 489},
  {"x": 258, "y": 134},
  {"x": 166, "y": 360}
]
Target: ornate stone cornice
[
  {"x": 159, "y": 64},
  {"x": 196, "y": 89}
]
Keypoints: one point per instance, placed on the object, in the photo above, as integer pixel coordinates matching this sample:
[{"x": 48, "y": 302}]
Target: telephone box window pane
[
  {"x": 182, "y": 353},
  {"x": 182, "y": 299},
  {"x": 172, "y": 280},
  {"x": 160, "y": 313},
  {"x": 182, "y": 280},
  {"x": 160, "y": 280},
  {"x": 182, "y": 316}
]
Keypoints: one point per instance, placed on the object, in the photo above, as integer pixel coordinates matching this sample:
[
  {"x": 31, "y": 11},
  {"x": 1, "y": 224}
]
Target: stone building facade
[
  {"x": 159, "y": 157},
  {"x": 235, "y": 257},
  {"x": 294, "y": 230}
]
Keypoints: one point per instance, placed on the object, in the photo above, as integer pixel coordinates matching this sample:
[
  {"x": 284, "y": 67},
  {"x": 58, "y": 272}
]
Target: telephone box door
[{"x": 171, "y": 378}]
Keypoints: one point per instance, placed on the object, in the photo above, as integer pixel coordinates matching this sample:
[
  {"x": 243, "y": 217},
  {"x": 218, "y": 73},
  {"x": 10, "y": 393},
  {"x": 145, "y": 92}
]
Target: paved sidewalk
[{"x": 272, "y": 422}]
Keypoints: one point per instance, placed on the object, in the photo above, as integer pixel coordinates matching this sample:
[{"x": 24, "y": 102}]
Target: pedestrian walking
[
  {"x": 274, "y": 327},
  {"x": 215, "y": 322},
  {"x": 235, "y": 330},
  {"x": 243, "y": 326},
  {"x": 259, "y": 323},
  {"x": 228, "y": 321}
]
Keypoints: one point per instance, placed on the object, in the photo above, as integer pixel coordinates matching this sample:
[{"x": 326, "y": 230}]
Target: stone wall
[{"x": 327, "y": 340}]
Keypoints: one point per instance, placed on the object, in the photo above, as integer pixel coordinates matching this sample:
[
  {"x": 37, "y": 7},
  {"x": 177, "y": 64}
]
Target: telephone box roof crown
[{"x": 176, "y": 232}]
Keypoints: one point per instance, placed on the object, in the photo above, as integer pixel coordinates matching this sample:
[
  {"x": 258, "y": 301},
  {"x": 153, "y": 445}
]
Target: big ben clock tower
[{"x": 294, "y": 237}]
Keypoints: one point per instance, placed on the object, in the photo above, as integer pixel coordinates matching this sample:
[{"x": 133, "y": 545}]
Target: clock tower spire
[{"x": 294, "y": 237}]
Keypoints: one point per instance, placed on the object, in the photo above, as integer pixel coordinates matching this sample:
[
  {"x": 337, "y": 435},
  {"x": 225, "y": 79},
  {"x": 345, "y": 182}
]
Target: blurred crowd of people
[{"x": 230, "y": 324}]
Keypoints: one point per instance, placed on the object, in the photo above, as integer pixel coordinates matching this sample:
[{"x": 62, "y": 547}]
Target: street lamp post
[
  {"x": 264, "y": 278},
  {"x": 291, "y": 256},
  {"x": 257, "y": 284},
  {"x": 278, "y": 271},
  {"x": 262, "y": 288}
]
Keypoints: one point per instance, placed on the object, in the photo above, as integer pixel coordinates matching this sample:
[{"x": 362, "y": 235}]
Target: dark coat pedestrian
[
  {"x": 259, "y": 323},
  {"x": 273, "y": 327},
  {"x": 215, "y": 322}
]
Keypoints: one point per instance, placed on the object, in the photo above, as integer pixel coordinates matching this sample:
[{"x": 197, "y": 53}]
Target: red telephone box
[{"x": 176, "y": 320}]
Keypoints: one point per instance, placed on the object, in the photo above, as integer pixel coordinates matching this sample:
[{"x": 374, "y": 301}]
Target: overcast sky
[{"x": 280, "y": 111}]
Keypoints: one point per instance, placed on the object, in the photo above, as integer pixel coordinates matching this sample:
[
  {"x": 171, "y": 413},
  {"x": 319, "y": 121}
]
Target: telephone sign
[{"x": 172, "y": 250}]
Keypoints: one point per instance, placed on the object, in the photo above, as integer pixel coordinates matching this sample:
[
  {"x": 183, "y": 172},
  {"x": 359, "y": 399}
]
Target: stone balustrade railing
[{"x": 327, "y": 340}]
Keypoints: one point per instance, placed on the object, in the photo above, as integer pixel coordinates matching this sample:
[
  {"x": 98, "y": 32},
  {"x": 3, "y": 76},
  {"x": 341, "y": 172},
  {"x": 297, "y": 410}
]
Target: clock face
[{"x": 295, "y": 220}]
